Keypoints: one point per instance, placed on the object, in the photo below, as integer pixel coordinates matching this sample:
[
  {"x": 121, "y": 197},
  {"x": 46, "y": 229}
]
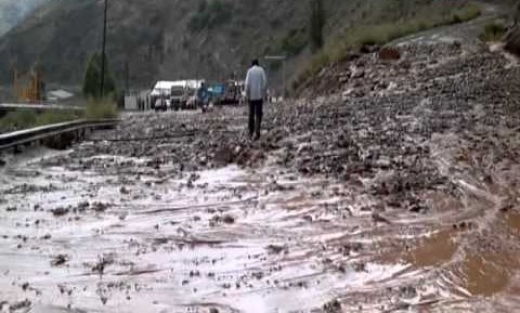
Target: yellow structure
[{"x": 28, "y": 87}]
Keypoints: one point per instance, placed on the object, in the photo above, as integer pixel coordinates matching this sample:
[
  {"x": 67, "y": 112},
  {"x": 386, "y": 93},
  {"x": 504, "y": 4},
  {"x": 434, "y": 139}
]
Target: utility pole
[
  {"x": 103, "y": 49},
  {"x": 283, "y": 59},
  {"x": 127, "y": 77}
]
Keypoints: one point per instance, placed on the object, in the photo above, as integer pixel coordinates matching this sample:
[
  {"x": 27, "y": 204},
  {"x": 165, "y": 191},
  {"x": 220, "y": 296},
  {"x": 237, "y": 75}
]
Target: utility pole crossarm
[{"x": 276, "y": 57}]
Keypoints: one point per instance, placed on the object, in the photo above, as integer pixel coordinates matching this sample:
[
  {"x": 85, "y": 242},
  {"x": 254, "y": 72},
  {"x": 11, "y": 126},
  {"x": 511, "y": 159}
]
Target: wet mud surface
[{"x": 397, "y": 191}]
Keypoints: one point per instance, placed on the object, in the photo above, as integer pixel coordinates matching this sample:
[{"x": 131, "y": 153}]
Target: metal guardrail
[
  {"x": 40, "y": 106},
  {"x": 26, "y": 136}
]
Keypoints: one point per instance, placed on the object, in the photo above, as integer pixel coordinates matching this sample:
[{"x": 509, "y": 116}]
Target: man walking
[{"x": 256, "y": 86}]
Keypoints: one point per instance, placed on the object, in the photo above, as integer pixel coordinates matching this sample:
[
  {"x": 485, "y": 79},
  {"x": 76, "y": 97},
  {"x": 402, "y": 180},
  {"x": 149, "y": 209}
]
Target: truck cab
[{"x": 179, "y": 97}]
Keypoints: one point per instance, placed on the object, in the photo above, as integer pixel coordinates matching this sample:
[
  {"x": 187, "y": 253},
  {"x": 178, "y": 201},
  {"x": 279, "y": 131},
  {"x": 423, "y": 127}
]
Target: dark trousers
[{"x": 255, "y": 117}]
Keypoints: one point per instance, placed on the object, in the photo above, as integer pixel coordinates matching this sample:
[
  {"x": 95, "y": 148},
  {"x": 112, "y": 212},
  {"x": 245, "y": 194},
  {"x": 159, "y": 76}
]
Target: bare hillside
[{"x": 176, "y": 38}]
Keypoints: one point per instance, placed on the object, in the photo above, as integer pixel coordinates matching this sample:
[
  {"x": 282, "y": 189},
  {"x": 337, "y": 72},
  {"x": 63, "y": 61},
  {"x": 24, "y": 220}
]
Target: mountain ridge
[{"x": 175, "y": 39}]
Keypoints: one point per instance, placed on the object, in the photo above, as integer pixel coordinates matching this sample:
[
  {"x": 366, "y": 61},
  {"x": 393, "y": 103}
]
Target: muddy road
[{"x": 395, "y": 191}]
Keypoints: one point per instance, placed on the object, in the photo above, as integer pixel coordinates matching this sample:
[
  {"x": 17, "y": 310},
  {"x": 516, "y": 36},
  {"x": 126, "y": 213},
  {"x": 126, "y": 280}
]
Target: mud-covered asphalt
[{"x": 394, "y": 191}]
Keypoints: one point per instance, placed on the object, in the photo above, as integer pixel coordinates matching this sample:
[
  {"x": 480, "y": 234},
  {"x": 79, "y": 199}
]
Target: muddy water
[{"x": 244, "y": 240}]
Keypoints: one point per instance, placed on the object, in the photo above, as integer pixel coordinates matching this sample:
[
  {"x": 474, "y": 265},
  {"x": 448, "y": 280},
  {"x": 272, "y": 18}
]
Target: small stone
[
  {"x": 59, "y": 260},
  {"x": 83, "y": 205},
  {"x": 360, "y": 267},
  {"x": 61, "y": 211},
  {"x": 357, "y": 73},
  {"x": 258, "y": 275},
  {"x": 333, "y": 306},
  {"x": 377, "y": 218},
  {"x": 228, "y": 219},
  {"x": 506, "y": 208},
  {"x": 274, "y": 249},
  {"x": 99, "y": 207},
  {"x": 383, "y": 163}
]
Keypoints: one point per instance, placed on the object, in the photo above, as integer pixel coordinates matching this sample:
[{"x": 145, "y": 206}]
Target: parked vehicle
[
  {"x": 161, "y": 104},
  {"x": 217, "y": 92},
  {"x": 182, "y": 91},
  {"x": 179, "y": 97},
  {"x": 232, "y": 92}
]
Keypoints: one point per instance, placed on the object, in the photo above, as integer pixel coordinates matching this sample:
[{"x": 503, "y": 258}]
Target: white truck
[
  {"x": 178, "y": 93},
  {"x": 183, "y": 92}
]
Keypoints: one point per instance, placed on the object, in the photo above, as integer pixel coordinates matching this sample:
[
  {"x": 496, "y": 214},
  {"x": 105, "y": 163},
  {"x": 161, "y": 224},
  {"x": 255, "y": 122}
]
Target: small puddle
[
  {"x": 435, "y": 250},
  {"x": 486, "y": 275},
  {"x": 513, "y": 221}
]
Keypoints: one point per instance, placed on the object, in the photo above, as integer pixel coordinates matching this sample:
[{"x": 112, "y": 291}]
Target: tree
[
  {"x": 317, "y": 24},
  {"x": 516, "y": 14},
  {"x": 92, "y": 81}
]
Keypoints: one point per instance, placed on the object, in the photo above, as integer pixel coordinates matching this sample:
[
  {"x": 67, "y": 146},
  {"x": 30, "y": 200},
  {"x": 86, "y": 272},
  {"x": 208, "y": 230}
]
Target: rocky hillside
[{"x": 177, "y": 38}]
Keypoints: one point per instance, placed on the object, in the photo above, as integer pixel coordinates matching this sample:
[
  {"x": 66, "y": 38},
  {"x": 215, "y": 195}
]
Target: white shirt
[{"x": 256, "y": 83}]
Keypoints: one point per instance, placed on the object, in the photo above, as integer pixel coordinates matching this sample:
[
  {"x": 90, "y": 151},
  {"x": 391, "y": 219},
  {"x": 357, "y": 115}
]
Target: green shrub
[
  {"x": 99, "y": 109},
  {"x": 17, "y": 119},
  {"x": 466, "y": 13},
  {"x": 28, "y": 118},
  {"x": 57, "y": 116},
  {"x": 92, "y": 80},
  {"x": 493, "y": 32}
]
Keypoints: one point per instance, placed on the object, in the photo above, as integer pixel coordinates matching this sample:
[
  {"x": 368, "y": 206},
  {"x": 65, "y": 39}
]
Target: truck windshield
[{"x": 177, "y": 92}]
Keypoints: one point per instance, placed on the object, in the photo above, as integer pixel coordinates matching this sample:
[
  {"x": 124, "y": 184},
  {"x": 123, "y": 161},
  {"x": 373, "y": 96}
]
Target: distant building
[{"x": 58, "y": 95}]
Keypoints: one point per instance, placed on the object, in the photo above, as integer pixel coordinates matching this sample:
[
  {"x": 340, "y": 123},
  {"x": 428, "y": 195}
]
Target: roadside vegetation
[
  {"x": 97, "y": 107},
  {"x": 28, "y": 118},
  {"x": 354, "y": 38},
  {"x": 493, "y": 32},
  {"x": 101, "y": 109}
]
